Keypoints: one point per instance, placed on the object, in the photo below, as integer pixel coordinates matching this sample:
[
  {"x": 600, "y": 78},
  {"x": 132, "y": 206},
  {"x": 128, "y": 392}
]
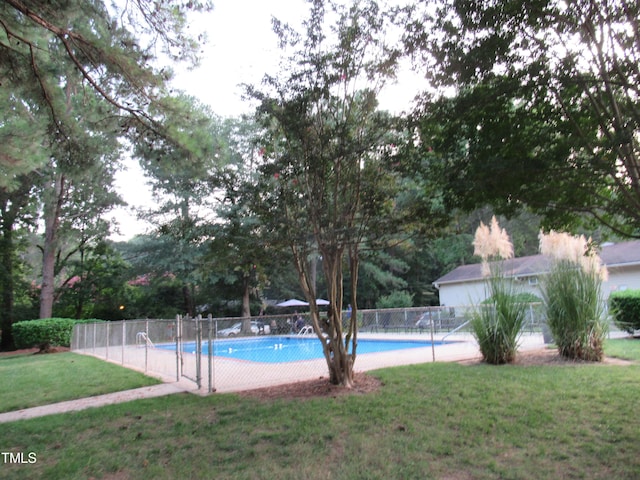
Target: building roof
[
  {"x": 621, "y": 254},
  {"x": 612, "y": 255}
]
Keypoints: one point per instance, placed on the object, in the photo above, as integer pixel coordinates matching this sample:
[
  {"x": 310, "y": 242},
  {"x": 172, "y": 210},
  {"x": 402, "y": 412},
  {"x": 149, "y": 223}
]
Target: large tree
[
  {"x": 22, "y": 129},
  {"x": 239, "y": 253},
  {"x": 183, "y": 170},
  {"x": 535, "y": 103},
  {"x": 17, "y": 209},
  {"x": 77, "y": 182},
  {"x": 328, "y": 184}
]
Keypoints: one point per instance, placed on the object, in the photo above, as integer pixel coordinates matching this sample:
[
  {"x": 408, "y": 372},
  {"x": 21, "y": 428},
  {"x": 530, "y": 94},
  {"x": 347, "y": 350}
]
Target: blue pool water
[{"x": 281, "y": 349}]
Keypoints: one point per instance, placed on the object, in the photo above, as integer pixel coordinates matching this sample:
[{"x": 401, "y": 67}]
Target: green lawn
[
  {"x": 443, "y": 421},
  {"x": 627, "y": 348},
  {"x": 33, "y": 380}
]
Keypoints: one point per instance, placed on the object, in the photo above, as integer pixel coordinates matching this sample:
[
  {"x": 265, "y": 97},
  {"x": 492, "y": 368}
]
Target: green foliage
[
  {"x": 331, "y": 175},
  {"x": 109, "y": 50},
  {"x": 43, "y": 333},
  {"x": 574, "y": 311},
  {"x": 381, "y": 274},
  {"x": 522, "y": 297},
  {"x": 155, "y": 296},
  {"x": 397, "y": 299},
  {"x": 96, "y": 284},
  {"x": 497, "y": 323},
  {"x": 184, "y": 168},
  {"x": 520, "y": 112},
  {"x": 46, "y": 332},
  {"x": 625, "y": 308}
]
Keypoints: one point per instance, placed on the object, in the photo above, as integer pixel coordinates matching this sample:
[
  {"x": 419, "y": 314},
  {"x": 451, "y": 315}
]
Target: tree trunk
[
  {"x": 188, "y": 300},
  {"x": 81, "y": 289},
  {"x": 246, "y": 306},
  {"x": 7, "y": 286},
  {"x": 51, "y": 227},
  {"x": 339, "y": 361}
]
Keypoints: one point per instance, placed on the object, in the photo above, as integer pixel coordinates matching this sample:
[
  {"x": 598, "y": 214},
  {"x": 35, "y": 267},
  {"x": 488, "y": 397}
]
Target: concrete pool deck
[{"x": 232, "y": 376}]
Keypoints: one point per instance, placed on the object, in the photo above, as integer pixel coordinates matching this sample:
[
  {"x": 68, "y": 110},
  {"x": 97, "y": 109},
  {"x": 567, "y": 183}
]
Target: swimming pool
[{"x": 283, "y": 349}]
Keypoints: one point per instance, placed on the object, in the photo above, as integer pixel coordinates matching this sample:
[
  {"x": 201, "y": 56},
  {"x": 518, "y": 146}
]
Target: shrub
[
  {"x": 523, "y": 297},
  {"x": 625, "y": 308},
  {"x": 396, "y": 299},
  {"x": 43, "y": 333}
]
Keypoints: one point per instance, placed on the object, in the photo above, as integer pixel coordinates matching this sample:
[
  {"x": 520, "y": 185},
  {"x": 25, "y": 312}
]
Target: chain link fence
[{"x": 234, "y": 354}]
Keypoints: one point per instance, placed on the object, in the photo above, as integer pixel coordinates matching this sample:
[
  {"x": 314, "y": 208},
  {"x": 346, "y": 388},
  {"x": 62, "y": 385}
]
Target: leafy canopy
[{"x": 536, "y": 104}]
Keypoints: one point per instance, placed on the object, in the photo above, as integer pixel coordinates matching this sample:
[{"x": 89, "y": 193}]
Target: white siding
[
  {"x": 621, "y": 278},
  {"x": 470, "y": 293}
]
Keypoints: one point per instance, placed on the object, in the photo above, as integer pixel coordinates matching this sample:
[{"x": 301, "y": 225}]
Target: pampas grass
[
  {"x": 497, "y": 324},
  {"x": 571, "y": 294}
]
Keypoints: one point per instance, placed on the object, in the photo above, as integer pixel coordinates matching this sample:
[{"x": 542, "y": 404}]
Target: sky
[{"x": 241, "y": 48}]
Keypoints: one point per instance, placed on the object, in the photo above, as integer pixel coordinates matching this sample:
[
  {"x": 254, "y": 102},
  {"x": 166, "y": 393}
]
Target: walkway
[{"x": 96, "y": 401}]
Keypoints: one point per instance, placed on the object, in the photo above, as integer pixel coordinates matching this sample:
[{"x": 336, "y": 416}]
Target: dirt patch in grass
[
  {"x": 318, "y": 388},
  {"x": 549, "y": 356},
  {"x": 50, "y": 349},
  {"x": 35, "y": 350}
]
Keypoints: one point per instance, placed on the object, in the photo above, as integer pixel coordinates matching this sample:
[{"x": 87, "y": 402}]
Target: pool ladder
[
  {"x": 306, "y": 330},
  {"x": 143, "y": 339}
]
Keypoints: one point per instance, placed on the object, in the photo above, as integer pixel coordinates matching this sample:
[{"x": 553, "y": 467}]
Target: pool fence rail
[{"x": 181, "y": 349}]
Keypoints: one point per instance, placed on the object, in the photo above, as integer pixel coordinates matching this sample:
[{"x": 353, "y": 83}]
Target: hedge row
[
  {"x": 45, "y": 332},
  {"x": 625, "y": 308}
]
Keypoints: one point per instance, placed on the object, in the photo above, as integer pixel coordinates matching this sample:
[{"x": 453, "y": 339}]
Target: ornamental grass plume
[
  {"x": 491, "y": 243},
  {"x": 572, "y": 296},
  {"x": 498, "y": 322},
  {"x": 575, "y": 249}
]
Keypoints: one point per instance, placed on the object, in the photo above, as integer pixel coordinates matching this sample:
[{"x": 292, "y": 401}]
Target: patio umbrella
[
  {"x": 292, "y": 303},
  {"x": 322, "y": 301}
]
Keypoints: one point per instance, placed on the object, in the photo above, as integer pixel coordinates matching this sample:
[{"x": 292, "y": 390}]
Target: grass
[
  {"x": 627, "y": 348},
  {"x": 428, "y": 421},
  {"x": 33, "y": 380}
]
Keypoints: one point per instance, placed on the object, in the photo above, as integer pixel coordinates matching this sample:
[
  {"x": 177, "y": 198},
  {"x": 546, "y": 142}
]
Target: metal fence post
[
  {"x": 146, "y": 344},
  {"x": 124, "y": 332},
  {"x": 210, "y": 352},
  {"x": 178, "y": 335},
  {"x": 531, "y": 320},
  {"x": 433, "y": 348},
  {"x": 198, "y": 321}
]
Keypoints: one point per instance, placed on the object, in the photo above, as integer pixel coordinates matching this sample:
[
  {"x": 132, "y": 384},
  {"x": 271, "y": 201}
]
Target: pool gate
[{"x": 197, "y": 329}]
